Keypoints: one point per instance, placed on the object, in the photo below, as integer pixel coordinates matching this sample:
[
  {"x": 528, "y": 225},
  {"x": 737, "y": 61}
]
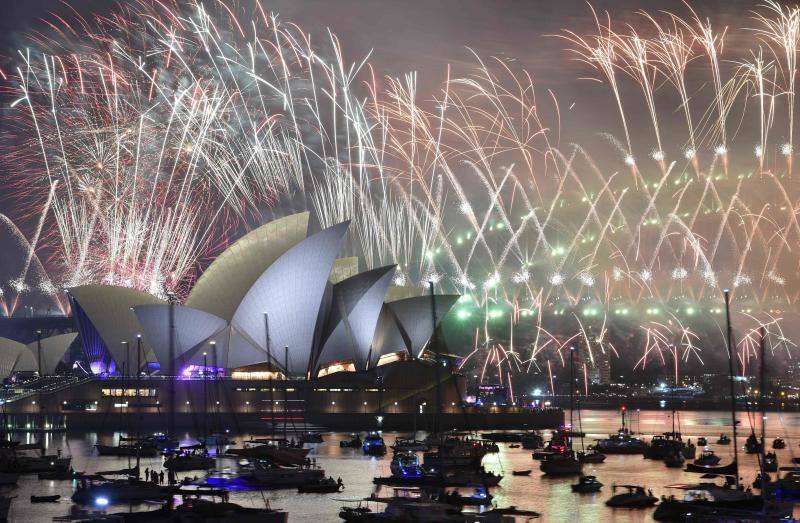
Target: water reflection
[{"x": 552, "y": 497}]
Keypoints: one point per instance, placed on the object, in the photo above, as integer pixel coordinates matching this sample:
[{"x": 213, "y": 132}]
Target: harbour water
[{"x": 548, "y": 496}]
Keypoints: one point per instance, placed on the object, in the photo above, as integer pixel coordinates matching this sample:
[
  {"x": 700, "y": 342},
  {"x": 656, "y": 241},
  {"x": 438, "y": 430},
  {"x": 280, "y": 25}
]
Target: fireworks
[{"x": 143, "y": 142}]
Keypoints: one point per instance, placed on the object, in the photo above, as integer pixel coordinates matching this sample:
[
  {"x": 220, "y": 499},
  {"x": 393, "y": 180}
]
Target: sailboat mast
[
  {"x": 571, "y": 391},
  {"x": 435, "y": 343},
  {"x": 271, "y": 370},
  {"x": 285, "y": 386},
  {"x": 205, "y": 397},
  {"x": 137, "y": 384},
  {"x": 731, "y": 356},
  {"x": 42, "y": 415}
]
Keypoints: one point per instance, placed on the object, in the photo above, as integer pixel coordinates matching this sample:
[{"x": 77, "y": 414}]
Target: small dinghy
[{"x": 521, "y": 472}]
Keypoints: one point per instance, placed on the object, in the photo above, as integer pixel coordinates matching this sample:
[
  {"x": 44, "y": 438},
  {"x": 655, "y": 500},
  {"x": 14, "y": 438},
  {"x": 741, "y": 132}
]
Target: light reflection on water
[{"x": 551, "y": 497}]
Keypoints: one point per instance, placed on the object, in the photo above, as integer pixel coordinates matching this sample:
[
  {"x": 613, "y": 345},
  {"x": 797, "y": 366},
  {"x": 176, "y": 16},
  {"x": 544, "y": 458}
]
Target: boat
[
  {"x": 310, "y": 437},
  {"x": 277, "y": 451},
  {"x": 586, "y": 485},
  {"x": 514, "y": 446},
  {"x": 723, "y": 440},
  {"x": 707, "y": 457},
  {"x": 322, "y": 486},
  {"x": 730, "y": 469},
  {"x": 406, "y": 465},
  {"x": 674, "y": 460},
  {"x": 770, "y": 462},
  {"x": 22, "y": 464},
  {"x": 758, "y": 482},
  {"x": 405, "y": 444},
  {"x": 532, "y": 440},
  {"x": 753, "y": 445},
  {"x": 702, "y": 441},
  {"x": 526, "y": 472},
  {"x": 560, "y": 465},
  {"x": 778, "y": 444},
  {"x": 541, "y": 454},
  {"x": 354, "y": 442},
  {"x": 662, "y": 445},
  {"x": 410, "y": 504},
  {"x": 708, "y": 501},
  {"x": 620, "y": 443},
  {"x": 102, "y": 493},
  {"x": 374, "y": 445},
  {"x": 455, "y": 452},
  {"x": 273, "y": 477},
  {"x": 479, "y": 498},
  {"x": 45, "y": 499},
  {"x": 189, "y": 458},
  {"x": 196, "y": 510},
  {"x": 787, "y": 487},
  {"x": 458, "y": 477},
  {"x": 635, "y": 497},
  {"x": 591, "y": 456}
]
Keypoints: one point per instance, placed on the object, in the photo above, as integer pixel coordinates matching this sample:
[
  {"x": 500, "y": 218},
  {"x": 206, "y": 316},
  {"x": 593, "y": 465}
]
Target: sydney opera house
[{"x": 277, "y": 329}]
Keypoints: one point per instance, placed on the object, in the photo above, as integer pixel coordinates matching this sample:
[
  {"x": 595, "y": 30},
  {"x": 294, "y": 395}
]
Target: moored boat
[
  {"x": 707, "y": 501},
  {"x": 707, "y": 457},
  {"x": 586, "y": 485},
  {"x": 561, "y": 465},
  {"x": 634, "y": 497},
  {"x": 374, "y": 445}
]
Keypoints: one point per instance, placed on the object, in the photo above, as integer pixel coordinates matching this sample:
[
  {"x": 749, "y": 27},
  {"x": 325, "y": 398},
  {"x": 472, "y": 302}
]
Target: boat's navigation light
[{"x": 101, "y": 501}]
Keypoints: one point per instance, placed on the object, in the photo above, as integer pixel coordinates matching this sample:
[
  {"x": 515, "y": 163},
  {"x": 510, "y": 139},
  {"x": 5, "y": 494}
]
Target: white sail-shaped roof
[
  {"x": 192, "y": 327},
  {"x": 53, "y": 350},
  {"x": 230, "y": 349},
  {"x": 413, "y": 324},
  {"x": 110, "y": 309},
  {"x": 10, "y": 351},
  {"x": 354, "y": 309},
  {"x": 223, "y": 285},
  {"x": 388, "y": 336},
  {"x": 291, "y": 293}
]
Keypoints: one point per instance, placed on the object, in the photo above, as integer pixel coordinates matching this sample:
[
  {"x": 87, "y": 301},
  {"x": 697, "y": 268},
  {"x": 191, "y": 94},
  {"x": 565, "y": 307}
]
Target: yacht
[
  {"x": 406, "y": 465},
  {"x": 111, "y": 492},
  {"x": 189, "y": 458},
  {"x": 707, "y": 500},
  {"x": 277, "y": 451},
  {"x": 753, "y": 445},
  {"x": 634, "y": 497},
  {"x": 662, "y": 445},
  {"x": 620, "y": 443},
  {"x": 265, "y": 476},
  {"x": 406, "y": 444},
  {"x": 456, "y": 452},
  {"x": 707, "y": 457},
  {"x": 561, "y": 465},
  {"x": 532, "y": 440},
  {"x": 587, "y": 485},
  {"x": 374, "y": 445}
]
